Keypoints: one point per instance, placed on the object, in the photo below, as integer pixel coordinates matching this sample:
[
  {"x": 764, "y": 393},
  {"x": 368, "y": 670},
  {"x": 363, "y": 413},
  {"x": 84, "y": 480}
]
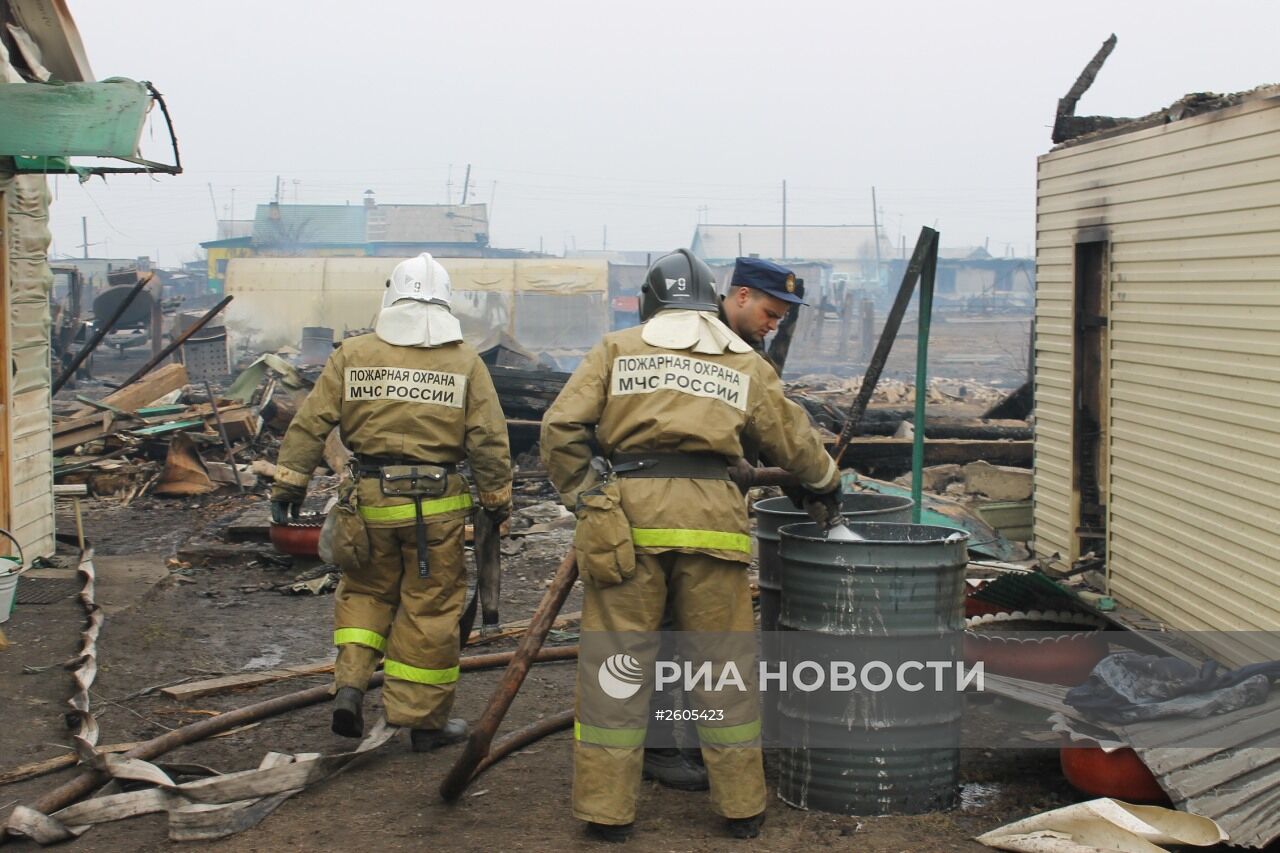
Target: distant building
[
  {"x": 347, "y": 230},
  {"x": 970, "y": 279},
  {"x": 849, "y": 249}
]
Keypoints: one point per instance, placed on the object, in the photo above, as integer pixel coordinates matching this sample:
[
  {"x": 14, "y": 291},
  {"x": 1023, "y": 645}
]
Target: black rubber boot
[
  {"x": 609, "y": 832},
  {"x": 745, "y": 827},
  {"x": 425, "y": 740},
  {"x": 670, "y": 768},
  {"x": 348, "y": 715}
]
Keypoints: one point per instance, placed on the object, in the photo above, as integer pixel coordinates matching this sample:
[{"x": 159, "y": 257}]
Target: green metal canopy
[{"x": 46, "y": 123}]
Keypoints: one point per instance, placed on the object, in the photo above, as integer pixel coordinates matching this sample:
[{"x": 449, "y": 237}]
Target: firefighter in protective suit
[
  {"x": 411, "y": 401},
  {"x": 669, "y": 403}
]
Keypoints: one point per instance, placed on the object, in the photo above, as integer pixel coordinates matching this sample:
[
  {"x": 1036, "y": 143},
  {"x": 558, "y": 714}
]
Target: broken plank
[
  {"x": 243, "y": 681},
  {"x": 49, "y": 765},
  {"x": 149, "y": 388},
  {"x": 515, "y": 629},
  {"x": 876, "y": 450}
]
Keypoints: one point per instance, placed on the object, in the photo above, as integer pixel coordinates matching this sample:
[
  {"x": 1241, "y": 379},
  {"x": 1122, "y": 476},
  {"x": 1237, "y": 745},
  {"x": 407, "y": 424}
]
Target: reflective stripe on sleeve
[
  {"x": 418, "y": 675},
  {"x": 726, "y": 735},
  {"x": 626, "y": 738},
  {"x": 360, "y": 637},
  {"x": 716, "y": 540},
  {"x": 405, "y": 512}
]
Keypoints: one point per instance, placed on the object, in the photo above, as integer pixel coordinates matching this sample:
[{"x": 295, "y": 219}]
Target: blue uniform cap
[{"x": 767, "y": 277}]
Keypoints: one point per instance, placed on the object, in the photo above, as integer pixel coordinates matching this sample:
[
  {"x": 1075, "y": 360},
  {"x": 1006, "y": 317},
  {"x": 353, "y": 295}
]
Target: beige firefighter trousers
[
  {"x": 388, "y": 610},
  {"x": 707, "y": 595}
]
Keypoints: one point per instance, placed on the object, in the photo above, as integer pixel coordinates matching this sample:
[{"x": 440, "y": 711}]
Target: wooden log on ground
[{"x": 879, "y": 452}]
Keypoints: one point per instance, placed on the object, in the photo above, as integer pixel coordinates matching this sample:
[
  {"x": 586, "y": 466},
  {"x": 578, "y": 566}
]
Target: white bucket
[{"x": 9, "y": 567}]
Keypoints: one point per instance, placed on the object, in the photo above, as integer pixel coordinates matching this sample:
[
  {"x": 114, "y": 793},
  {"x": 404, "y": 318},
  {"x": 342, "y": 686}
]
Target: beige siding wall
[
  {"x": 1192, "y": 214},
  {"x": 30, "y": 425}
]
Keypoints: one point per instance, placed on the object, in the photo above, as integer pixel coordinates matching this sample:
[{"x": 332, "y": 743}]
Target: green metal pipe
[{"x": 927, "y": 275}]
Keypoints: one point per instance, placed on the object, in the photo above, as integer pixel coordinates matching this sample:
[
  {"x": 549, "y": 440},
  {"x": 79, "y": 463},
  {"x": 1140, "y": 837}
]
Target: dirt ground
[
  {"x": 214, "y": 617},
  {"x": 184, "y": 603}
]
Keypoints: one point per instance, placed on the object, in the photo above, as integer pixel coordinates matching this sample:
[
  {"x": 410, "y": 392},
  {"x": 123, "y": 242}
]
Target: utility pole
[
  {"x": 277, "y": 189},
  {"x": 875, "y": 222},
  {"x": 84, "y": 231},
  {"x": 466, "y": 184},
  {"x": 784, "y": 221},
  {"x": 214, "y": 202}
]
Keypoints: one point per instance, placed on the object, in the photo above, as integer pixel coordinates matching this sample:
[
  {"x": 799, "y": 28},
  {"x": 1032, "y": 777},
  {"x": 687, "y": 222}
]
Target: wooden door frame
[{"x": 6, "y": 372}]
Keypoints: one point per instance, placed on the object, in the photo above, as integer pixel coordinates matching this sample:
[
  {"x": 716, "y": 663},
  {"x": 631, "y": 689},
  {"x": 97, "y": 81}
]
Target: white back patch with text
[
  {"x": 644, "y": 374},
  {"x": 405, "y": 385}
]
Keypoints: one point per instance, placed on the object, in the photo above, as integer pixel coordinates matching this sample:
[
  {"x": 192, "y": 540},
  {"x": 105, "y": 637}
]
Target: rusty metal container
[{"x": 898, "y": 595}]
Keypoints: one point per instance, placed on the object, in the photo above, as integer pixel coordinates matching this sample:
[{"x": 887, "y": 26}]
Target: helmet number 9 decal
[{"x": 678, "y": 285}]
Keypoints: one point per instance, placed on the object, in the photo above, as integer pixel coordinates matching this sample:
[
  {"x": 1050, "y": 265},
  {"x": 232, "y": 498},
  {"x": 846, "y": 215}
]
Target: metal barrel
[
  {"x": 317, "y": 344},
  {"x": 893, "y": 598},
  {"x": 771, "y": 515}
]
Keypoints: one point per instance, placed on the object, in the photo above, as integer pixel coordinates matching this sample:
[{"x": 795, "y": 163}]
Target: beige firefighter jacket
[
  {"x": 417, "y": 404},
  {"x": 634, "y": 397}
]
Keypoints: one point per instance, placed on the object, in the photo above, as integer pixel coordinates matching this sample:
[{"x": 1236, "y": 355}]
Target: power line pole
[
  {"x": 214, "y": 202},
  {"x": 466, "y": 183},
  {"x": 875, "y": 221},
  {"x": 784, "y": 221},
  {"x": 277, "y": 189},
  {"x": 84, "y": 231}
]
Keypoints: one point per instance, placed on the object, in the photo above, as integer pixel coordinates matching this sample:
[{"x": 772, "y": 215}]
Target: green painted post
[{"x": 927, "y": 274}]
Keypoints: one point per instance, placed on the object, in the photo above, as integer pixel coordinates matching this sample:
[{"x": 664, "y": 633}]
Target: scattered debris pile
[{"x": 162, "y": 434}]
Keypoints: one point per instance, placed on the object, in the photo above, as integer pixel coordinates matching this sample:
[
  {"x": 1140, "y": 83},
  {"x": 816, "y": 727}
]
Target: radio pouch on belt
[
  {"x": 344, "y": 539},
  {"x": 418, "y": 482},
  {"x": 602, "y": 538}
]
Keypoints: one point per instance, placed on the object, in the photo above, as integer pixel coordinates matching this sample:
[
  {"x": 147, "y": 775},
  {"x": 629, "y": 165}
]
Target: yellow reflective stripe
[
  {"x": 608, "y": 737},
  {"x": 670, "y": 537},
  {"x": 722, "y": 735},
  {"x": 418, "y": 675},
  {"x": 405, "y": 512},
  {"x": 361, "y": 637}
]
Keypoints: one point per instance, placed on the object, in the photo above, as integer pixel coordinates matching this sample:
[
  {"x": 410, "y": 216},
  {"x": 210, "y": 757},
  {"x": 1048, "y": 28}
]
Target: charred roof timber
[{"x": 1071, "y": 129}]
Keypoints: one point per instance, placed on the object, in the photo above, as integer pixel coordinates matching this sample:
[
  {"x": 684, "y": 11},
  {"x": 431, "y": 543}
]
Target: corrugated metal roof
[
  {"x": 309, "y": 223},
  {"x": 814, "y": 242},
  {"x": 1225, "y": 767}
]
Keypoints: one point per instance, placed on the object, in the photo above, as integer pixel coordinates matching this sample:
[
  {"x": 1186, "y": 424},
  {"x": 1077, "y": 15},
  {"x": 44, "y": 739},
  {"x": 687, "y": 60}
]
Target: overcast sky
[{"x": 643, "y": 117}]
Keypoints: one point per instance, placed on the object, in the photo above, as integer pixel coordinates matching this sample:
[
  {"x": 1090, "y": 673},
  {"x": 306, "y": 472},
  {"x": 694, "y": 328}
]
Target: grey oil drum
[
  {"x": 772, "y": 514},
  {"x": 897, "y": 595}
]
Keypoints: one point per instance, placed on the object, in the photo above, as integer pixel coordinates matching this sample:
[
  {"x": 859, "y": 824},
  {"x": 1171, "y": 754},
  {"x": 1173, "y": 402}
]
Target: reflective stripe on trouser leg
[
  {"x": 422, "y": 649},
  {"x": 711, "y": 595},
  {"x": 608, "y": 748},
  {"x": 363, "y": 607}
]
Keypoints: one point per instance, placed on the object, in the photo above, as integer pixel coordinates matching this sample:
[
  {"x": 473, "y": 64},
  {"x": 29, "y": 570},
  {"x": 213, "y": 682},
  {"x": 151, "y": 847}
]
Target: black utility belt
[
  {"x": 692, "y": 466},
  {"x": 371, "y": 466}
]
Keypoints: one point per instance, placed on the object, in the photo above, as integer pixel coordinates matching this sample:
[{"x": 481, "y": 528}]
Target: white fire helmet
[{"x": 420, "y": 279}]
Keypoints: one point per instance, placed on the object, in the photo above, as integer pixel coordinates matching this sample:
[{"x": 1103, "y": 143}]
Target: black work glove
[
  {"x": 498, "y": 514},
  {"x": 823, "y": 507},
  {"x": 286, "y": 503},
  {"x": 797, "y": 493}
]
